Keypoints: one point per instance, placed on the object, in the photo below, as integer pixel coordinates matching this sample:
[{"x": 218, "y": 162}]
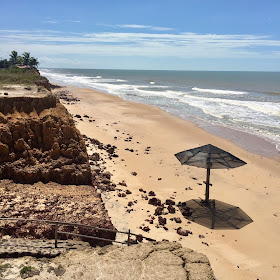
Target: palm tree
[
  {"x": 33, "y": 62},
  {"x": 13, "y": 57},
  {"x": 26, "y": 58},
  {"x": 20, "y": 60}
]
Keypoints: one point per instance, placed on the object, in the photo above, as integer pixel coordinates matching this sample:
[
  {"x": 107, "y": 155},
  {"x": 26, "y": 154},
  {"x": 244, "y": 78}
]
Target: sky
[{"x": 232, "y": 35}]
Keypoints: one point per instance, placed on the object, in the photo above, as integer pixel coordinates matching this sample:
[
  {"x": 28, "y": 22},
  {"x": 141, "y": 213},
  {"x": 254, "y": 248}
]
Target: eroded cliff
[{"x": 39, "y": 141}]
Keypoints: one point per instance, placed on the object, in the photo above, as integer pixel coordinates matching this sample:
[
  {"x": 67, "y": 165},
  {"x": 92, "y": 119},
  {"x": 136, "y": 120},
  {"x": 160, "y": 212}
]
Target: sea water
[{"x": 246, "y": 102}]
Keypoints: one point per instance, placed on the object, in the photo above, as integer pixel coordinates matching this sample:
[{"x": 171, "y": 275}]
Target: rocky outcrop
[
  {"x": 55, "y": 202},
  {"x": 157, "y": 261},
  {"x": 39, "y": 142}
]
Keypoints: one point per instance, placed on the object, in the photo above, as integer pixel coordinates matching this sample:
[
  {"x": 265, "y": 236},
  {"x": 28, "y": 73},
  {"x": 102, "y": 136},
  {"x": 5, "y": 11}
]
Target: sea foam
[{"x": 218, "y": 91}]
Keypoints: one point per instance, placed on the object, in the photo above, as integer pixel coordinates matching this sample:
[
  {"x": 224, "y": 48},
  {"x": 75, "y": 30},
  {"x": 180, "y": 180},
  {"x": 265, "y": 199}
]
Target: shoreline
[
  {"x": 234, "y": 254},
  {"x": 262, "y": 146}
]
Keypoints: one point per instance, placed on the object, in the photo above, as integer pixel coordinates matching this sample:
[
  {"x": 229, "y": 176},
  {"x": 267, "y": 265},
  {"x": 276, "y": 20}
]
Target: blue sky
[{"x": 146, "y": 34}]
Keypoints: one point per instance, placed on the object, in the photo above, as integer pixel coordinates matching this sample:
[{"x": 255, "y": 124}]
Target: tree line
[{"x": 19, "y": 60}]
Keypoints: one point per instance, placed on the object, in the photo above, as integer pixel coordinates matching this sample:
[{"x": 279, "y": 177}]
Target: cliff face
[{"x": 39, "y": 142}]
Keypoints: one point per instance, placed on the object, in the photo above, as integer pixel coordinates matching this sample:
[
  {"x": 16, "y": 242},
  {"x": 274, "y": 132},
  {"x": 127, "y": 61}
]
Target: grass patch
[
  {"x": 20, "y": 76},
  {"x": 28, "y": 271},
  {"x": 25, "y": 270},
  {"x": 4, "y": 267}
]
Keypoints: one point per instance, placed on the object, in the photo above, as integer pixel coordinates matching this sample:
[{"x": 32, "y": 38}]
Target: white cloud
[
  {"x": 139, "y": 26},
  {"x": 75, "y": 21},
  {"x": 49, "y": 21},
  {"x": 182, "y": 45}
]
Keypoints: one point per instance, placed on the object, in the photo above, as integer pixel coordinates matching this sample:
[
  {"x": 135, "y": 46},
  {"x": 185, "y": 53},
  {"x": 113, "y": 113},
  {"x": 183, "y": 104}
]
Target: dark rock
[
  {"x": 159, "y": 211},
  {"x": 123, "y": 183},
  {"x": 151, "y": 193},
  {"x": 178, "y": 220},
  {"x": 134, "y": 173},
  {"x": 169, "y": 202},
  {"x": 183, "y": 232},
  {"x": 139, "y": 237},
  {"x": 171, "y": 209},
  {"x": 155, "y": 201},
  {"x": 161, "y": 220},
  {"x": 187, "y": 212},
  {"x": 146, "y": 228},
  {"x": 121, "y": 194}
]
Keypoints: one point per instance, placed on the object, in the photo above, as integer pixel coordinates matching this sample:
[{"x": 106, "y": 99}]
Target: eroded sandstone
[{"x": 39, "y": 141}]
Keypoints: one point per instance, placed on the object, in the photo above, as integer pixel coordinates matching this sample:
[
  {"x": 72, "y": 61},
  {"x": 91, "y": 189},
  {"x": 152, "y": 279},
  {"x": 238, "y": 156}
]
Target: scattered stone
[
  {"x": 123, "y": 183},
  {"x": 161, "y": 220},
  {"x": 128, "y": 192},
  {"x": 151, "y": 193},
  {"x": 159, "y": 210},
  {"x": 134, "y": 173},
  {"x": 146, "y": 228},
  {"x": 155, "y": 201},
  {"x": 139, "y": 237},
  {"x": 171, "y": 209},
  {"x": 178, "y": 220},
  {"x": 122, "y": 194},
  {"x": 169, "y": 202},
  {"x": 183, "y": 232},
  {"x": 144, "y": 197}
]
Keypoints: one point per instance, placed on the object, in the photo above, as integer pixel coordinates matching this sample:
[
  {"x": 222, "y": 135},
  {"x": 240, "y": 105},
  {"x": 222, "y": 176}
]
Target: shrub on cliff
[{"x": 20, "y": 76}]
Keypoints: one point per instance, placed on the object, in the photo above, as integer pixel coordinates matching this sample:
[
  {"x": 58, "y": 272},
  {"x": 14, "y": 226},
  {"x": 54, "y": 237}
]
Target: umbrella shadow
[{"x": 214, "y": 214}]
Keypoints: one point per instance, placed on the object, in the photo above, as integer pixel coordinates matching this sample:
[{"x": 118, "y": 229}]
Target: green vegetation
[
  {"x": 28, "y": 271},
  {"x": 20, "y": 76},
  {"x": 25, "y": 269},
  {"x": 15, "y": 60},
  {"x": 4, "y": 267}
]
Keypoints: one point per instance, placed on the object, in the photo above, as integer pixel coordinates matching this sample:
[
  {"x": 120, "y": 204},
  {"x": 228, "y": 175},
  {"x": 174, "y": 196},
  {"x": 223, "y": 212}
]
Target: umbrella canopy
[
  {"x": 215, "y": 214},
  {"x": 209, "y": 157}
]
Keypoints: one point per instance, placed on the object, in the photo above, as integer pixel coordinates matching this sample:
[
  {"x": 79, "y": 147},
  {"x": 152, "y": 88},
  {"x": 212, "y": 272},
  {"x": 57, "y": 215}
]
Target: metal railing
[{"x": 60, "y": 223}]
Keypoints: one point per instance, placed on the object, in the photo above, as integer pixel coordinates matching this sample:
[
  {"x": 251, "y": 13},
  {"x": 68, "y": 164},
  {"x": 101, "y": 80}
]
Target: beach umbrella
[
  {"x": 209, "y": 157},
  {"x": 215, "y": 214}
]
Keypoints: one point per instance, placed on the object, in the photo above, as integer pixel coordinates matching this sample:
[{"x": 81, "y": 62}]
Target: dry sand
[{"x": 249, "y": 253}]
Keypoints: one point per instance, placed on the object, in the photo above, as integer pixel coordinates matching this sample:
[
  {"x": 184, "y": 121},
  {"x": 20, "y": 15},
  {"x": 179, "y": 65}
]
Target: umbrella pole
[{"x": 207, "y": 185}]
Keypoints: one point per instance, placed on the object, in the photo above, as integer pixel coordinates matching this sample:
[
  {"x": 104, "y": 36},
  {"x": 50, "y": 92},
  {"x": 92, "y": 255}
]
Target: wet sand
[{"x": 249, "y": 253}]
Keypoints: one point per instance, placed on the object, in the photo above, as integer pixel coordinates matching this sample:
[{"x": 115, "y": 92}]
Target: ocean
[{"x": 247, "y": 103}]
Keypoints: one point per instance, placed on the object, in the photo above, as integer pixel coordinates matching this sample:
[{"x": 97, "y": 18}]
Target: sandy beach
[{"x": 147, "y": 139}]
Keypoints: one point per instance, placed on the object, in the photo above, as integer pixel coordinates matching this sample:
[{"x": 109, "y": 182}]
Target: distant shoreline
[{"x": 243, "y": 139}]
